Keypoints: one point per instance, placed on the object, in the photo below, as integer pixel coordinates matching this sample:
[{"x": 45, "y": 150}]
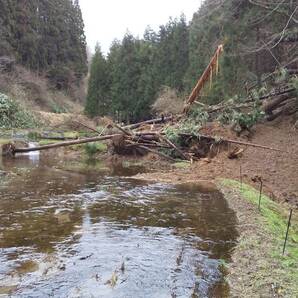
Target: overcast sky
[{"x": 106, "y": 20}]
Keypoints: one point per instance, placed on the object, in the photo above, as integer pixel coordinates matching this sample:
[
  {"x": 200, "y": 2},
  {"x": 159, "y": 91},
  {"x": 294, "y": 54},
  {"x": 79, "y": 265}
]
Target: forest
[
  {"x": 46, "y": 37},
  {"x": 259, "y": 38}
]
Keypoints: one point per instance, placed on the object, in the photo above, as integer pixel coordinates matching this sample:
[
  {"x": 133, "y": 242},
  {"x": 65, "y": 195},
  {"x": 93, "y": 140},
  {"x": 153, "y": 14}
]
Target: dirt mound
[{"x": 279, "y": 170}]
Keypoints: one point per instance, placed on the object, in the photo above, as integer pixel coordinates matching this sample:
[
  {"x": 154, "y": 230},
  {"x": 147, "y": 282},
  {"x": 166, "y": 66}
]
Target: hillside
[
  {"x": 43, "y": 61},
  {"x": 259, "y": 40}
]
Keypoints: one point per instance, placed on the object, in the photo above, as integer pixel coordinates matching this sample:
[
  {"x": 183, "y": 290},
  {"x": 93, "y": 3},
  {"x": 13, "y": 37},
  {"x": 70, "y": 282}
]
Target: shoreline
[{"x": 258, "y": 268}]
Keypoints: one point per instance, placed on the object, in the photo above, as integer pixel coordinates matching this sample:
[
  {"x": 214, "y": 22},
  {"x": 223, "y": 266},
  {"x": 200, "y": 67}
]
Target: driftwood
[
  {"x": 275, "y": 93},
  {"x": 235, "y": 153}
]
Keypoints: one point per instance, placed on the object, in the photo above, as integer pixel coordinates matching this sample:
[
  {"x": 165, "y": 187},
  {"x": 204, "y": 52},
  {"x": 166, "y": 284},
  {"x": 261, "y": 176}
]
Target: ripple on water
[{"x": 91, "y": 234}]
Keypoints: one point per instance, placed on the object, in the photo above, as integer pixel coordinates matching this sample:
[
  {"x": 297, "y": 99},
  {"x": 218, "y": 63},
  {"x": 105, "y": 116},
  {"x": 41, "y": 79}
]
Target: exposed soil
[
  {"x": 279, "y": 170},
  {"x": 254, "y": 270}
]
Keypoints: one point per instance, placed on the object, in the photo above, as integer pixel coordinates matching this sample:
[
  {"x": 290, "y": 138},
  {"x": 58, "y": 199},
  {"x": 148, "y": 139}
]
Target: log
[
  {"x": 274, "y": 116},
  {"x": 174, "y": 146},
  {"x": 274, "y": 93},
  {"x": 157, "y": 152},
  {"x": 153, "y": 145},
  {"x": 234, "y": 142},
  {"x": 213, "y": 65},
  {"x": 223, "y": 140},
  {"x": 152, "y": 121},
  {"x": 57, "y": 138},
  {"x": 219, "y": 107},
  {"x": 86, "y": 126},
  {"x": 218, "y": 138},
  {"x": 273, "y": 104},
  {"x": 62, "y": 144},
  {"x": 122, "y": 129}
]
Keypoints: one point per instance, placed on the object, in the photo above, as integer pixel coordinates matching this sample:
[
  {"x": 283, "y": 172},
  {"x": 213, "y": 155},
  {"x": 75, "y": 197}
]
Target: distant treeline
[
  {"x": 46, "y": 36},
  {"x": 258, "y": 38}
]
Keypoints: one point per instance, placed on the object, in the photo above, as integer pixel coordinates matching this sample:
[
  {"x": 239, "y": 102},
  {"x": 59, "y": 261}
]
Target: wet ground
[{"x": 85, "y": 229}]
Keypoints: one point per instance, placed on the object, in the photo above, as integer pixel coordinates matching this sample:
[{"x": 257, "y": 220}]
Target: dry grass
[
  {"x": 34, "y": 92},
  {"x": 168, "y": 102}
]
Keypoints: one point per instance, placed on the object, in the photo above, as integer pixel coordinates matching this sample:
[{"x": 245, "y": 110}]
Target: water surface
[{"x": 84, "y": 229}]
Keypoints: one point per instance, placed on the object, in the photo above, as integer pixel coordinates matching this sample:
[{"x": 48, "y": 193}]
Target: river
[{"x": 87, "y": 229}]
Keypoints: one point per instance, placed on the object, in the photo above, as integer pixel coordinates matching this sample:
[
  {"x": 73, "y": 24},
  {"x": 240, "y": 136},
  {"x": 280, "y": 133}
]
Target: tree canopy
[
  {"x": 46, "y": 36},
  {"x": 258, "y": 37}
]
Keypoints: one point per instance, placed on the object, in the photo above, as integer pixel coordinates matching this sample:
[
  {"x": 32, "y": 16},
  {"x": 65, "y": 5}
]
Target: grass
[
  {"x": 46, "y": 142},
  {"x": 273, "y": 219},
  {"x": 182, "y": 165},
  {"x": 71, "y": 134},
  {"x": 4, "y": 141},
  {"x": 93, "y": 148}
]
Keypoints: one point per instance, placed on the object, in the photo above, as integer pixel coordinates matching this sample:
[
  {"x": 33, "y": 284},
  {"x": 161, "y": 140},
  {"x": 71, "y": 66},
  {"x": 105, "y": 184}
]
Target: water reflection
[{"x": 73, "y": 229}]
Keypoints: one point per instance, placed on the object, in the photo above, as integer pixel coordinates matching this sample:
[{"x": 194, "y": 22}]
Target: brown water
[{"x": 73, "y": 229}]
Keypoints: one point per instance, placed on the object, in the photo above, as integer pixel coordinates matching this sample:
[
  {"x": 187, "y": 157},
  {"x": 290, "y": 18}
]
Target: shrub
[
  {"x": 57, "y": 109},
  {"x": 13, "y": 115},
  {"x": 93, "y": 148}
]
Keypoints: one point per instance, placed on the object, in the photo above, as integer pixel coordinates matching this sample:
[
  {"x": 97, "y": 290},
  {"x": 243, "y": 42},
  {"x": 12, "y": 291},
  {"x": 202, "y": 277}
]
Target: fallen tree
[{"x": 12, "y": 150}]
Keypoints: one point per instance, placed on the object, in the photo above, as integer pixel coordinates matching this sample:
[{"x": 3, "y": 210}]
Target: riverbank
[{"x": 258, "y": 268}]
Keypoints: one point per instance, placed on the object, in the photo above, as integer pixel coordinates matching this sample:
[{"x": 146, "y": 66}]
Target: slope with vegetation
[
  {"x": 259, "y": 38},
  {"x": 46, "y": 36},
  {"x": 43, "y": 61}
]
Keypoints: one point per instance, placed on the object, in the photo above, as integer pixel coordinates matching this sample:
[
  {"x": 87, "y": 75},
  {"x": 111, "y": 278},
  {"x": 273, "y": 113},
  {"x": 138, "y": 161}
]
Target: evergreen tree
[
  {"x": 6, "y": 25},
  {"x": 126, "y": 72},
  {"x": 98, "y": 100},
  {"x": 47, "y": 36},
  {"x": 178, "y": 54},
  {"x": 171, "y": 60},
  {"x": 249, "y": 31}
]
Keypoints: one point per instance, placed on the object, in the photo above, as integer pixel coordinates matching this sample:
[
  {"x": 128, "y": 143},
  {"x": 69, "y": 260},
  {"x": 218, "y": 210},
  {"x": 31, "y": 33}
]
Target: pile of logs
[
  {"x": 134, "y": 139},
  {"x": 280, "y": 101},
  {"x": 283, "y": 103}
]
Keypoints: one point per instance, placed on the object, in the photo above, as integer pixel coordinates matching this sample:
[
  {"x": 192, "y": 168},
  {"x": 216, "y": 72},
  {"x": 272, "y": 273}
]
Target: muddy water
[{"x": 76, "y": 229}]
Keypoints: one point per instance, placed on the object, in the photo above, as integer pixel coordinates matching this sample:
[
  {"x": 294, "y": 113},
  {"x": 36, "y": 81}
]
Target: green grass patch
[
  {"x": 96, "y": 147},
  {"x": 71, "y": 134},
  {"x": 4, "y": 141},
  {"x": 46, "y": 142},
  {"x": 181, "y": 165},
  {"x": 274, "y": 220}
]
